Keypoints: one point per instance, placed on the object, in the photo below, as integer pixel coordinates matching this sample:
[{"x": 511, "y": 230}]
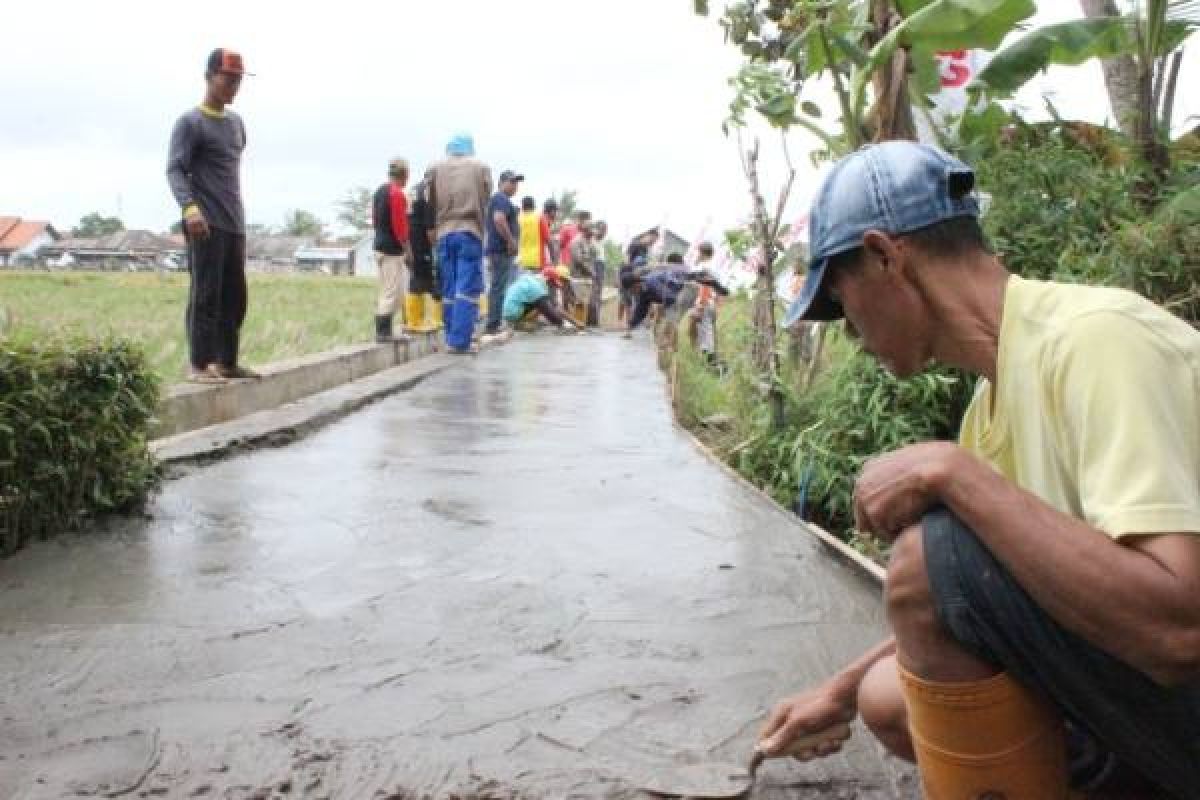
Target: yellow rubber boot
[
  {"x": 414, "y": 313},
  {"x": 985, "y": 740},
  {"x": 433, "y": 312}
]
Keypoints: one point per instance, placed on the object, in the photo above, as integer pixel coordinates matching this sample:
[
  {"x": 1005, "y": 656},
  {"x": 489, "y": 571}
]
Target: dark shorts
[{"x": 1123, "y": 728}]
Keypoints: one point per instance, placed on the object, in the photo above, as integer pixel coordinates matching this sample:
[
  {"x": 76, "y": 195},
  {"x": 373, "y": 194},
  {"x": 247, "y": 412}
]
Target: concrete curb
[
  {"x": 284, "y": 425},
  {"x": 189, "y": 406},
  {"x": 840, "y": 549}
]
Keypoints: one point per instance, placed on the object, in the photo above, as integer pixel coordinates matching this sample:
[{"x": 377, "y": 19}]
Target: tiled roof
[{"x": 20, "y": 234}]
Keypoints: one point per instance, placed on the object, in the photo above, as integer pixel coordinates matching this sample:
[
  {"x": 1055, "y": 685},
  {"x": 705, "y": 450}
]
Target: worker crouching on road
[
  {"x": 1044, "y": 583},
  {"x": 530, "y": 292}
]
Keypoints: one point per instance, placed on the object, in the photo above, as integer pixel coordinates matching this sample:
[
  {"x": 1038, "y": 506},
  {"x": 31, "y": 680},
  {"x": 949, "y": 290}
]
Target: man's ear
[{"x": 881, "y": 249}]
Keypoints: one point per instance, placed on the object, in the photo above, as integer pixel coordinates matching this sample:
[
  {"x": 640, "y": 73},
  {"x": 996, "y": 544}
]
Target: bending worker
[
  {"x": 531, "y": 292},
  {"x": 661, "y": 287},
  {"x": 1044, "y": 584}
]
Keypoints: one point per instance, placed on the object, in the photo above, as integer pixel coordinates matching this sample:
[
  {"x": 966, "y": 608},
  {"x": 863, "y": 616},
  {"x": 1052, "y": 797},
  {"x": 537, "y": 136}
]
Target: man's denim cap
[{"x": 894, "y": 187}]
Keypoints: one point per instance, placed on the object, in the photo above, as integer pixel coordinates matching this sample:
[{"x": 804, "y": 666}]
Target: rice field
[{"x": 289, "y": 315}]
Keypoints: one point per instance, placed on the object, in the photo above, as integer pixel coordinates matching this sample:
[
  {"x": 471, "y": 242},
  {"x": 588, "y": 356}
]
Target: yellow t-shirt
[
  {"x": 1096, "y": 407},
  {"x": 529, "y": 243}
]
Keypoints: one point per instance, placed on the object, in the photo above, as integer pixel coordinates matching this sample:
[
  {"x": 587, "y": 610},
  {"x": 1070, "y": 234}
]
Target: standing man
[
  {"x": 568, "y": 232},
  {"x": 389, "y": 214},
  {"x": 423, "y": 306},
  {"x": 549, "y": 217},
  {"x": 1044, "y": 581},
  {"x": 459, "y": 187},
  {"x": 203, "y": 171},
  {"x": 533, "y": 248},
  {"x": 583, "y": 267},
  {"x": 599, "y": 234},
  {"x": 702, "y": 324},
  {"x": 502, "y": 233}
]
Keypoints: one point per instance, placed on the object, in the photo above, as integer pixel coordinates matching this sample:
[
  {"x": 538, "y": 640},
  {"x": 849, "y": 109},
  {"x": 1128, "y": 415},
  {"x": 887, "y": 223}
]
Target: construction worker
[
  {"x": 702, "y": 323},
  {"x": 389, "y": 215},
  {"x": 203, "y": 165},
  {"x": 459, "y": 187},
  {"x": 423, "y": 306},
  {"x": 501, "y": 245},
  {"x": 531, "y": 292},
  {"x": 533, "y": 247},
  {"x": 1044, "y": 582},
  {"x": 661, "y": 288}
]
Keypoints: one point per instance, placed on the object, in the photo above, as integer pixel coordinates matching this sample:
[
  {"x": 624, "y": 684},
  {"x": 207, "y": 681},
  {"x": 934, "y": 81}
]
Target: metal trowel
[{"x": 722, "y": 780}]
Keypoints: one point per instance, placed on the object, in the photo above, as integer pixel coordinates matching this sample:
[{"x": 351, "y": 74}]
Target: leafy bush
[{"x": 73, "y": 434}]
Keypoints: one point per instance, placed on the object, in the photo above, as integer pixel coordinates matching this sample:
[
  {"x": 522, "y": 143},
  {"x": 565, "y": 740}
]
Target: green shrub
[{"x": 73, "y": 434}]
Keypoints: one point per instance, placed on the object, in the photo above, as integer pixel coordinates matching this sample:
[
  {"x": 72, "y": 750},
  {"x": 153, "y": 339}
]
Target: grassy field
[{"x": 290, "y": 315}]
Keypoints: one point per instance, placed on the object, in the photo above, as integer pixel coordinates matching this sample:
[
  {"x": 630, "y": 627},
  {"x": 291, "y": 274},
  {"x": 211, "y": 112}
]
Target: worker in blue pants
[
  {"x": 460, "y": 257},
  {"x": 459, "y": 187}
]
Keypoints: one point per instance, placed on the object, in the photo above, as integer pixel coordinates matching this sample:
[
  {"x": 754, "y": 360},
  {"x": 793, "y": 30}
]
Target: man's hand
[
  {"x": 895, "y": 490},
  {"x": 512, "y": 247},
  {"x": 196, "y": 224},
  {"x": 804, "y": 714}
]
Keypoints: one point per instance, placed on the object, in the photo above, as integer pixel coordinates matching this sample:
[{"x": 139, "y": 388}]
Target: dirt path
[{"x": 516, "y": 578}]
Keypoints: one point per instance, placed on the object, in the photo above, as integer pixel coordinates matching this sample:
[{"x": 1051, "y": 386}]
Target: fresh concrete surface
[{"x": 517, "y": 571}]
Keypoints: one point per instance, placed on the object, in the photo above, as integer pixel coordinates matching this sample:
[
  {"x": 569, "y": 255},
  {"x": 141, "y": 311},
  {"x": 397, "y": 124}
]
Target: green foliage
[
  {"x": 354, "y": 210},
  {"x": 73, "y": 429},
  {"x": 943, "y": 25},
  {"x": 1062, "y": 211},
  {"x": 1068, "y": 43},
  {"x": 299, "y": 222},
  {"x": 96, "y": 224}
]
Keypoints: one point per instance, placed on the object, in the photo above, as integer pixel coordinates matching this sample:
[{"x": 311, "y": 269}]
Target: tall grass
[{"x": 289, "y": 315}]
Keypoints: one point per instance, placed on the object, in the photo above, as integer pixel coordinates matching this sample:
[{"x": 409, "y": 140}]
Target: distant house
[
  {"x": 275, "y": 253},
  {"x": 122, "y": 250},
  {"x": 21, "y": 239},
  {"x": 330, "y": 260},
  {"x": 669, "y": 242},
  {"x": 364, "y": 257}
]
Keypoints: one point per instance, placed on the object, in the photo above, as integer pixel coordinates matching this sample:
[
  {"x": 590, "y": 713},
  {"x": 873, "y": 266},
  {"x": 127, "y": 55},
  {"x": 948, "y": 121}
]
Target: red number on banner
[{"x": 954, "y": 71}]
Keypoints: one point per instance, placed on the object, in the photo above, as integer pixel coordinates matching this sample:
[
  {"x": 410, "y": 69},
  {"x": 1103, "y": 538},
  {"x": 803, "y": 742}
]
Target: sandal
[
  {"x": 235, "y": 373},
  {"x": 206, "y": 377}
]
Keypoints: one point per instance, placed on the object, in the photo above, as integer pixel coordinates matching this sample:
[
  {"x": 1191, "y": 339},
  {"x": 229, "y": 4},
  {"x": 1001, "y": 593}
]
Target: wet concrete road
[{"x": 519, "y": 572}]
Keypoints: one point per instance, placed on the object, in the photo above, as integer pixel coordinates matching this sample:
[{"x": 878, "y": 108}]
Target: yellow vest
[{"x": 529, "y": 250}]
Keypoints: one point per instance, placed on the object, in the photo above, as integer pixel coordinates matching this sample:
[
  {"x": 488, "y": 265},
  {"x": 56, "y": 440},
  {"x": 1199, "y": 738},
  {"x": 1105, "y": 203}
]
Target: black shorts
[{"x": 1123, "y": 728}]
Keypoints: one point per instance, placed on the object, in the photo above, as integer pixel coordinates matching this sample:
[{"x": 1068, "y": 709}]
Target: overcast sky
[{"x": 621, "y": 100}]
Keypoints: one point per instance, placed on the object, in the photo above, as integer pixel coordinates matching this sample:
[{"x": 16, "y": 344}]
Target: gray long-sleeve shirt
[{"x": 203, "y": 166}]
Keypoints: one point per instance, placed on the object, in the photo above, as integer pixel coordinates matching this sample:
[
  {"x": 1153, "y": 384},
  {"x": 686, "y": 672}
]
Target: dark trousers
[
  {"x": 422, "y": 279},
  {"x": 216, "y": 298},
  {"x": 1124, "y": 728},
  {"x": 502, "y": 271},
  {"x": 593, "y": 313}
]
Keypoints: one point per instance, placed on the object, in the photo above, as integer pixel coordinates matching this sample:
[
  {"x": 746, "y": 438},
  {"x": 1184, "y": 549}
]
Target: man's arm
[
  {"x": 1125, "y": 573},
  {"x": 641, "y": 309},
  {"x": 1138, "y": 598},
  {"x": 821, "y": 708},
  {"x": 506, "y": 234},
  {"x": 179, "y": 164}
]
